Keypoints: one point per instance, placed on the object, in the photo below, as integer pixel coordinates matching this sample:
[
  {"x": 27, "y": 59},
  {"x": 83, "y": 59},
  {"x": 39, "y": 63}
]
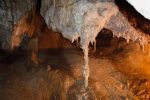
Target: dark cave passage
[{"x": 38, "y": 5}]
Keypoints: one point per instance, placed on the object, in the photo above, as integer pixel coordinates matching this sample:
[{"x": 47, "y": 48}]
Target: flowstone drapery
[{"x": 84, "y": 19}]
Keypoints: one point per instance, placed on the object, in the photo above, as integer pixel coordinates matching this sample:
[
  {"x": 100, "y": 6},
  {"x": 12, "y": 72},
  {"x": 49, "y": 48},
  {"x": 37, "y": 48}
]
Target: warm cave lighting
[
  {"x": 40, "y": 61},
  {"x": 143, "y": 7}
]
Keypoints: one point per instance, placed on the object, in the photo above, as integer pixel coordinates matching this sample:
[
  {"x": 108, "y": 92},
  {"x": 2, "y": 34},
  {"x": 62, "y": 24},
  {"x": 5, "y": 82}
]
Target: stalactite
[
  {"x": 77, "y": 42},
  {"x": 127, "y": 38},
  {"x": 85, "y": 67},
  {"x": 71, "y": 21},
  {"x": 94, "y": 45},
  {"x": 75, "y": 38}
]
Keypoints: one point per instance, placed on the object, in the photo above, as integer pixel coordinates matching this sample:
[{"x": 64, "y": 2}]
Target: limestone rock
[
  {"x": 10, "y": 12},
  {"x": 85, "y": 19}
]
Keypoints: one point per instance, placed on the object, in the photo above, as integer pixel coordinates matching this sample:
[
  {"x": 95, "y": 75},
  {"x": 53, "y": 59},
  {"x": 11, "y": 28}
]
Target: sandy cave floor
[{"x": 116, "y": 73}]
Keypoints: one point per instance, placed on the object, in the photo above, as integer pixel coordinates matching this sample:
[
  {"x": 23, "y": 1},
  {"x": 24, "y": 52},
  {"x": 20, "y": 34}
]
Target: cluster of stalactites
[{"x": 84, "y": 19}]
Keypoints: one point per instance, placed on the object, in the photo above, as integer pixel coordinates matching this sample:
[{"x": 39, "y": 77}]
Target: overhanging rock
[
  {"x": 77, "y": 18},
  {"x": 85, "y": 19}
]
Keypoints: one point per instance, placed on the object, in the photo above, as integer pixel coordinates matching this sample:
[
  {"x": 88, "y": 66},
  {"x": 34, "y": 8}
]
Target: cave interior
[{"x": 39, "y": 61}]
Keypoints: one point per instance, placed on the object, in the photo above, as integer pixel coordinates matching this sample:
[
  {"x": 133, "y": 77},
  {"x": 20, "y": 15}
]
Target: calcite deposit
[{"x": 84, "y": 19}]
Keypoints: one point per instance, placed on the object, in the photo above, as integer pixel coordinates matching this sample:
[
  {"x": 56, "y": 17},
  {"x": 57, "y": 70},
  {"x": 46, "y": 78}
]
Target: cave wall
[{"x": 10, "y": 12}]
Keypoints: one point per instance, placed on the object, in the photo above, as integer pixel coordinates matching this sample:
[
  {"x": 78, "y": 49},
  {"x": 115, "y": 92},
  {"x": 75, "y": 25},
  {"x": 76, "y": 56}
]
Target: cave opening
[
  {"x": 107, "y": 44},
  {"x": 136, "y": 19}
]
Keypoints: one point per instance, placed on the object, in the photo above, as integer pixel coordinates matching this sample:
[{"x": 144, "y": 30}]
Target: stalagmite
[
  {"x": 85, "y": 67},
  {"x": 80, "y": 21},
  {"x": 84, "y": 19}
]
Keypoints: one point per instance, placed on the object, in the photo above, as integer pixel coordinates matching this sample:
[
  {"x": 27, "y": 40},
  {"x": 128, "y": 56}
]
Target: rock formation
[
  {"x": 75, "y": 19},
  {"x": 84, "y": 19},
  {"x": 10, "y": 13}
]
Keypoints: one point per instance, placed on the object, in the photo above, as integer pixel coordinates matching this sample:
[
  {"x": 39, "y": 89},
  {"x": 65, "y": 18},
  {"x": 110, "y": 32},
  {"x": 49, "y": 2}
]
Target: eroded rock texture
[
  {"x": 85, "y": 19},
  {"x": 10, "y": 12}
]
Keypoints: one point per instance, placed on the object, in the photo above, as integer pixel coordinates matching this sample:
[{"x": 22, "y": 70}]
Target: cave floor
[{"x": 115, "y": 74}]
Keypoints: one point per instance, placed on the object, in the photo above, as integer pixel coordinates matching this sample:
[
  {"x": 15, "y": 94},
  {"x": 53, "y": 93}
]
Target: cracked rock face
[{"x": 10, "y": 12}]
